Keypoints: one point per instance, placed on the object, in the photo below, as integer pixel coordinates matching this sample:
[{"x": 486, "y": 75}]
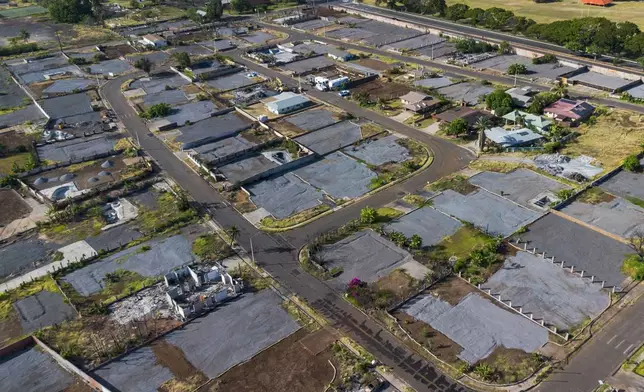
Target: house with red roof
[
  {"x": 602, "y": 3},
  {"x": 569, "y": 111}
]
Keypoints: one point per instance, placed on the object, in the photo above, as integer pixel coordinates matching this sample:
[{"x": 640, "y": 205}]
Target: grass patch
[
  {"x": 211, "y": 247},
  {"x": 300, "y": 316},
  {"x": 77, "y": 230},
  {"x": 611, "y": 139},
  {"x": 460, "y": 244},
  {"x": 170, "y": 213},
  {"x": 79, "y": 166},
  {"x": 639, "y": 369},
  {"x": 370, "y": 129},
  {"x": 416, "y": 200},
  {"x": 495, "y": 166},
  {"x": 350, "y": 367},
  {"x": 7, "y": 299},
  {"x": 8, "y": 163},
  {"x": 273, "y": 223},
  {"x": 595, "y": 195},
  {"x": 386, "y": 214},
  {"x": 457, "y": 183},
  {"x": 635, "y": 200},
  {"x": 21, "y": 12},
  {"x": 633, "y": 266},
  {"x": 391, "y": 172}
]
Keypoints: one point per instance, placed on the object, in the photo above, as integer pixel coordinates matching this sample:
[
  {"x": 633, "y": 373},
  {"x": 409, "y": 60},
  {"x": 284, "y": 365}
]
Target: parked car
[{"x": 344, "y": 93}]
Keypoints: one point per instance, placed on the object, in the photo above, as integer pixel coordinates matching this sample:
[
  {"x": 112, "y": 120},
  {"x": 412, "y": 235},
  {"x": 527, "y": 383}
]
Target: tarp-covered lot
[
  {"x": 232, "y": 333},
  {"x": 34, "y": 371}
]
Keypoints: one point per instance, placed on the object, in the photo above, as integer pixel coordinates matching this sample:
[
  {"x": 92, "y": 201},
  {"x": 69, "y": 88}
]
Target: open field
[
  {"x": 566, "y": 9},
  {"x": 615, "y": 136},
  {"x": 22, "y": 11}
]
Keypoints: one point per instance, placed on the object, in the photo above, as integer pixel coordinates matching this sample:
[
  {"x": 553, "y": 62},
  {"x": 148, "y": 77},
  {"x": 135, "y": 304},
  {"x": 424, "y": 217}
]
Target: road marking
[
  {"x": 628, "y": 349},
  {"x": 619, "y": 344},
  {"x": 611, "y": 339}
]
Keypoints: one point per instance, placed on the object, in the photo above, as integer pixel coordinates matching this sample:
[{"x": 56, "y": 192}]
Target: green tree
[
  {"x": 24, "y": 35},
  {"x": 456, "y": 12},
  {"x": 483, "y": 370},
  {"x": 482, "y": 123},
  {"x": 158, "y": 110},
  {"x": 632, "y": 164},
  {"x": 144, "y": 64},
  {"x": 183, "y": 59},
  {"x": 416, "y": 241},
  {"x": 457, "y": 127},
  {"x": 541, "y": 101},
  {"x": 398, "y": 238},
  {"x": 517, "y": 69},
  {"x": 499, "y": 99},
  {"x": 214, "y": 10},
  {"x": 504, "y": 47},
  {"x": 241, "y": 6},
  {"x": 368, "y": 215},
  {"x": 69, "y": 11}
]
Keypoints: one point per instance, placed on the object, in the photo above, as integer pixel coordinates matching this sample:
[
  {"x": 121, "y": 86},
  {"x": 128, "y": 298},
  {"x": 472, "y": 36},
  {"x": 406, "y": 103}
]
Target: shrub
[
  {"x": 565, "y": 194},
  {"x": 368, "y": 215},
  {"x": 633, "y": 266},
  {"x": 632, "y": 164},
  {"x": 545, "y": 59},
  {"x": 552, "y": 147},
  {"x": 517, "y": 69},
  {"x": 157, "y": 110},
  {"x": 18, "y": 49}
]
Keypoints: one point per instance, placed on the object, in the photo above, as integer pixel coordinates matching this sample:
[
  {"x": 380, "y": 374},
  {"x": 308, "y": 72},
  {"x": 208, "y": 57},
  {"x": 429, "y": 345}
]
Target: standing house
[
  {"x": 514, "y": 138},
  {"x": 569, "y": 111},
  {"x": 524, "y": 119},
  {"x": 285, "y": 102},
  {"x": 419, "y": 102},
  {"x": 521, "y": 96},
  {"x": 153, "y": 40}
]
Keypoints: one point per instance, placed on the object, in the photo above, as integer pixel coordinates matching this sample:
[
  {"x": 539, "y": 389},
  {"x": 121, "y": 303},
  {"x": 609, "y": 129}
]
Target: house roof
[
  {"x": 512, "y": 138},
  {"x": 419, "y": 106},
  {"x": 285, "y": 100},
  {"x": 414, "y": 97},
  {"x": 153, "y": 37},
  {"x": 464, "y": 112},
  {"x": 596, "y": 2},
  {"x": 528, "y": 118},
  {"x": 567, "y": 108},
  {"x": 522, "y": 95}
]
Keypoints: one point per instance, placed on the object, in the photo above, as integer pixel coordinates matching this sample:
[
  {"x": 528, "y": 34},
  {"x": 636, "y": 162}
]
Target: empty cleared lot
[
  {"x": 285, "y": 195},
  {"x": 433, "y": 226}
]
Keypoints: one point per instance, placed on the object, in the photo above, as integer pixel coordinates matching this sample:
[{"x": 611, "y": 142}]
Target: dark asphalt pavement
[
  {"x": 277, "y": 256},
  {"x": 602, "y": 356}
]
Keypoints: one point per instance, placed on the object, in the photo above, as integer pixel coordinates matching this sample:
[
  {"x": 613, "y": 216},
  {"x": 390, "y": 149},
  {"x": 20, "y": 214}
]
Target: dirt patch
[
  {"x": 451, "y": 290},
  {"x": 10, "y": 328},
  {"x": 286, "y": 128},
  {"x": 286, "y": 366},
  {"x": 318, "y": 341},
  {"x": 14, "y": 141},
  {"x": 241, "y": 201},
  {"x": 439, "y": 344},
  {"x": 374, "y": 64},
  {"x": 78, "y": 386},
  {"x": 397, "y": 282},
  {"x": 323, "y": 11},
  {"x": 13, "y": 206},
  {"x": 381, "y": 89},
  {"x": 510, "y": 365},
  {"x": 173, "y": 358},
  {"x": 595, "y": 196},
  {"x": 116, "y": 51}
]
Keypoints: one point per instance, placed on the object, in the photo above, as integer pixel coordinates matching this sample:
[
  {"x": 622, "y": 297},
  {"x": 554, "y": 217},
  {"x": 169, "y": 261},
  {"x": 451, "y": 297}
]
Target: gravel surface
[
  {"x": 307, "y": 65},
  {"x": 247, "y": 167},
  {"x": 468, "y": 92},
  {"x": 164, "y": 255},
  {"x": 617, "y": 216},
  {"x": 67, "y": 105},
  {"x": 521, "y": 185},
  {"x": 115, "y": 237},
  {"x": 492, "y": 214},
  {"x": 171, "y": 97},
  {"x": 284, "y": 195},
  {"x": 40, "y": 76},
  {"x": 364, "y": 255},
  {"x": 114, "y": 67},
  {"x": 156, "y": 84},
  {"x": 434, "y": 82},
  {"x": 34, "y": 371},
  {"x": 192, "y": 112},
  {"x": 30, "y": 113},
  {"x": 546, "y": 71},
  {"x": 338, "y": 175},
  {"x": 231, "y": 82},
  {"x": 12, "y": 95},
  {"x": 24, "y": 255},
  {"x": 547, "y": 291},
  {"x": 232, "y": 333},
  {"x": 626, "y": 183},
  {"x": 81, "y": 147},
  {"x": 41, "y": 310},
  {"x": 258, "y": 37},
  {"x": 223, "y": 148},
  {"x": 69, "y": 85},
  {"x": 428, "y": 223},
  {"x": 416, "y": 42},
  {"x": 478, "y": 325},
  {"x": 587, "y": 250},
  {"x": 212, "y": 129},
  {"x": 331, "y": 138},
  {"x": 313, "y": 119},
  {"x": 380, "y": 151}
]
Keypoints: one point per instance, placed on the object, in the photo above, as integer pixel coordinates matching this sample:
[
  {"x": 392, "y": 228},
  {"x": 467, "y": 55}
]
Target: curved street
[{"x": 277, "y": 254}]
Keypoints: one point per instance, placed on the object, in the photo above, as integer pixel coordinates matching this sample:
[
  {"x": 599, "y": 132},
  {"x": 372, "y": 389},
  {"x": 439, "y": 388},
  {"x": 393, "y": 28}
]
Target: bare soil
[
  {"x": 174, "y": 359},
  {"x": 510, "y": 365},
  {"x": 11, "y": 140},
  {"x": 451, "y": 290},
  {"x": 10, "y": 328},
  {"x": 374, "y": 64},
  {"x": 397, "y": 282},
  {"x": 381, "y": 89},
  {"x": 78, "y": 386},
  {"x": 286, "y": 366},
  {"x": 434, "y": 341},
  {"x": 286, "y": 128},
  {"x": 13, "y": 206},
  {"x": 116, "y": 51}
]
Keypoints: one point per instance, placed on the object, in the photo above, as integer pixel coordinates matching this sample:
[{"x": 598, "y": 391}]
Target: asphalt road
[
  {"x": 479, "y": 33},
  {"x": 602, "y": 356},
  {"x": 278, "y": 257},
  {"x": 448, "y": 69}
]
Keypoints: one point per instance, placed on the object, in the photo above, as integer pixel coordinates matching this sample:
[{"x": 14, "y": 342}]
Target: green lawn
[
  {"x": 22, "y": 11},
  {"x": 6, "y": 164}
]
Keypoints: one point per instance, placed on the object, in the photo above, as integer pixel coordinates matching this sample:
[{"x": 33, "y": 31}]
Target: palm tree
[
  {"x": 482, "y": 123},
  {"x": 233, "y": 233},
  {"x": 560, "y": 90}
]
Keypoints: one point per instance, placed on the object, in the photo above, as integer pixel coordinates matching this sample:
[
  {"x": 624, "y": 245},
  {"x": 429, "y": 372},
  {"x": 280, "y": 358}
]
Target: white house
[
  {"x": 154, "y": 40},
  {"x": 285, "y": 102}
]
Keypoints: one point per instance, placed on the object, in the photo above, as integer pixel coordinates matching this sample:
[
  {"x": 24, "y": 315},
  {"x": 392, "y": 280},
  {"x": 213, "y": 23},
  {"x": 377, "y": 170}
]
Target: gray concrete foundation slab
[
  {"x": 433, "y": 226},
  {"x": 81, "y": 147},
  {"x": 34, "y": 371},
  {"x": 478, "y": 325},
  {"x": 284, "y": 195},
  {"x": 364, "y": 255},
  {"x": 492, "y": 214},
  {"x": 338, "y": 175},
  {"x": 585, "y": 249},
  {"x": 617, "y": 216},
  {"x": 231, "y": 82},
  {"x": 313, "y": 119},
  {"x": 379, "y": 152},
  {"x": 547, "y": 291},
  {"x": 42, "y": 310},
  {"x": 626, "y": 184}
]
